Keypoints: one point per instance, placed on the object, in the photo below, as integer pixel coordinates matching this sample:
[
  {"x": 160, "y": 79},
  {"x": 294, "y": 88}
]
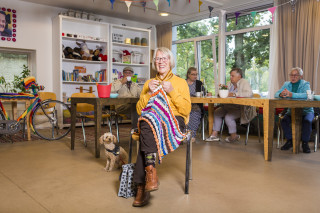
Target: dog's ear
[
  {"x": 101, "y": 139},
  {"x": 114, "y": 139}
]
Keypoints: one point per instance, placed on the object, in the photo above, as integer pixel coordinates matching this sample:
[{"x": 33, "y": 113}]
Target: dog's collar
[{"x": 115, "y": 151}]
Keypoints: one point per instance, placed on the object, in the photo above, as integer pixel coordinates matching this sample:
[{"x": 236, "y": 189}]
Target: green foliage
[{"x": 16, "y": 85}]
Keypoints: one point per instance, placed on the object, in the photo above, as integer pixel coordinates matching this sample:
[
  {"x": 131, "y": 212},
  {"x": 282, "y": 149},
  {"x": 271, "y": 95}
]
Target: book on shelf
[{"x": 101, "y": 75}]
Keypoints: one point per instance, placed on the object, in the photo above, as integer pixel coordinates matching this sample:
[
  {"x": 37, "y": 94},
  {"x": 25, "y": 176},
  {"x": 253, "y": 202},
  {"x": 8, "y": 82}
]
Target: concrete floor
[{"x": 42, "y": 176}]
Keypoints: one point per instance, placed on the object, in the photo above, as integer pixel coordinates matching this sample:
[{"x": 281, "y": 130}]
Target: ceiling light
[{"x": 163, "y": 14}]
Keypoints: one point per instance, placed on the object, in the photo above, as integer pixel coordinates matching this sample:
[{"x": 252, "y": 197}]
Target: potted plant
[{"x": 223, "y": 91}]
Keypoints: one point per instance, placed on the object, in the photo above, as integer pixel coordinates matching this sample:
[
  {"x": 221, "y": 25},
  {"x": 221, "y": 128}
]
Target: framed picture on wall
[{"x": 8, "y": 24}]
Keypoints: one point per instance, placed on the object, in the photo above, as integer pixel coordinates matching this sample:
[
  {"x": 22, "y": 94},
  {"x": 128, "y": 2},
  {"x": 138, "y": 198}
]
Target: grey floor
[{"x": 42, "y": 176}]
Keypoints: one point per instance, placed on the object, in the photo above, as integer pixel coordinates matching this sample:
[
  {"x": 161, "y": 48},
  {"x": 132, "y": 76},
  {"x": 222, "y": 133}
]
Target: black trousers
[{"x": 148, "y": 145}]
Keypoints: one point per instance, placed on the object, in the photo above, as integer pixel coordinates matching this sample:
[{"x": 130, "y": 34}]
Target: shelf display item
[
  {"x": 137, "y": 41},
  {"x": 144, "y": 42},
  {"x": 136, "y": 57},
  {"x": 117, "y": 37},
  {"x": 127, "y": 41},
  {"x": 126, "y": 57}
]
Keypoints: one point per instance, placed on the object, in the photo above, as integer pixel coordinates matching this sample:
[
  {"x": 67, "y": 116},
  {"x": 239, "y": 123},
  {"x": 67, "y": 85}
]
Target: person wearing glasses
[
  {"x": 126, "y": 89},
  {"x": 296, "y": 88},
  {"x": 178, "y": 96},
  {"x": 197, "y": 110}
]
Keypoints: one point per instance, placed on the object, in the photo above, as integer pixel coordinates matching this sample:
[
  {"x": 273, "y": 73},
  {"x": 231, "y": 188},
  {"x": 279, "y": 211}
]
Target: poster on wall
[{"x": 8, "y": 24}]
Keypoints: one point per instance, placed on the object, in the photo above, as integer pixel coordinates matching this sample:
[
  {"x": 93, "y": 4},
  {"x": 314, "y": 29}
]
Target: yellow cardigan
[{"x": 179, "y": 97}]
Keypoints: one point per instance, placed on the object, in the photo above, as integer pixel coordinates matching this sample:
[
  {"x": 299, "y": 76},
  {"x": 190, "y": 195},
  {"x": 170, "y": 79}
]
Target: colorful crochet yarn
[
  {"x": 164, "y": 125},
  {"x": 16, "y": 96}
]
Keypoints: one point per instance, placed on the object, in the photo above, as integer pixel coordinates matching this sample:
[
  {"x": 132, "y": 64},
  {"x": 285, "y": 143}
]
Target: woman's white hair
[
  {"x": 300, "y": 71},
  {"x": 166, "y": 52}
]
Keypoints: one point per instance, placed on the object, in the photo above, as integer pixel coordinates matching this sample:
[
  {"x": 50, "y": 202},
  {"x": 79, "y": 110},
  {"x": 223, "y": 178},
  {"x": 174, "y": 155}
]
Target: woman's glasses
[
  {"x": 294, "y": 76},
  {"x": 164, "y": 59}
]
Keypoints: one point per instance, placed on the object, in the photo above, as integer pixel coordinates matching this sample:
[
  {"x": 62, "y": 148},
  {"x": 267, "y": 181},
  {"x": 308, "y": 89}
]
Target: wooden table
[
  {"x": 98, "y": 103},
  {"x": 14, "y": 103},
  {"x": 269, "y": 106}
]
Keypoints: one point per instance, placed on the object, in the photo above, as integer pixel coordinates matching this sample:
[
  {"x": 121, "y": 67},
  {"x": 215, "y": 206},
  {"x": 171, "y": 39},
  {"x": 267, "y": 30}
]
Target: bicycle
[{"x": 46, "y": 117}]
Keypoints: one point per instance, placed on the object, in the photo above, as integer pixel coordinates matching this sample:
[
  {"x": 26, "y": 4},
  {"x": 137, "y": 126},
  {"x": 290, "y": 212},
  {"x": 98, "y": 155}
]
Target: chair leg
[
  {"x": 203, "y": 135},
  {"x": 130, "y": 147},
  {"x": 186, "y": 189},
  {"x": 259, "y": 129},
  {"x": 83, "y": 132},
  {"x": 316, "y": 141},
  {"x": 117, "y": 127},
  {"x": 247, "y": 135},
  {"x": 221, "y": 129},
  {"x": 110, "y": 123},
  {"x": 278, "y": 138}
]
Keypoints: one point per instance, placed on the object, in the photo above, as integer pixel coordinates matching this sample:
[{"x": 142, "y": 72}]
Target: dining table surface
[{"x": 268, "y": 105}]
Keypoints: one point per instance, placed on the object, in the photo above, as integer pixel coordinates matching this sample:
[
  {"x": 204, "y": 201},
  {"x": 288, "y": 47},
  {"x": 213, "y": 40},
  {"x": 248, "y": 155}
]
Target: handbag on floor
[{"x": 127, "y": 187}]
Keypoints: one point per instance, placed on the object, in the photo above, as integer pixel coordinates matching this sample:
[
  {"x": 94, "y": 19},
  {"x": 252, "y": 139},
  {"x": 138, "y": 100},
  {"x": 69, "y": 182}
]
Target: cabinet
[
  {"x": 72, "y": 72},
  {"x": 112, "y": 39},
  {"x": 130, "y": 47}
]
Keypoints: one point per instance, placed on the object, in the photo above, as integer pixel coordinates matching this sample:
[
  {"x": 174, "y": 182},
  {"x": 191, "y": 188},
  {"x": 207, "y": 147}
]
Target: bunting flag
[
  {"x": 156, "y": 2},
  {"x": 210, "y": 10},
  {"x": 128, "y": 3},
  {"x": 253, "y": 14},
  {"x": 189, "y": 1},
  {"x": 144, "y": 3},
  {"x": 168, "y": 2},
  {"x": 200, "y": 3},
  {"x": 237, "y": 14},
  {"x": 112, "y": 1},
  {"x": 272, "y": 9}
]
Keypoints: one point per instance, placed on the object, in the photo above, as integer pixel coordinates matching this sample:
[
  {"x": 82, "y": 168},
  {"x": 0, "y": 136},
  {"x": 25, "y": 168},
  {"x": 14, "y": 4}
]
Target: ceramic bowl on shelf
[
  {"x": 316, "y": 97},
  {"x": 114, "y": 95}
]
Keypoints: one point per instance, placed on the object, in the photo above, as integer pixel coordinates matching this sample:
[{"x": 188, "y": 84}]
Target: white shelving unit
[
  {"x": 140, "y": 64},
  {"x": 94, "y": 34}
]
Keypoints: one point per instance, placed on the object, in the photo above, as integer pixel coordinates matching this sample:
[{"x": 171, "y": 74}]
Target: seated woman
[
  {"x": 296, "y": 88},
  {"x": 197, "y": 109},
  {"x": 178, "y": 97},
  {"x": 237, "y": 87}
]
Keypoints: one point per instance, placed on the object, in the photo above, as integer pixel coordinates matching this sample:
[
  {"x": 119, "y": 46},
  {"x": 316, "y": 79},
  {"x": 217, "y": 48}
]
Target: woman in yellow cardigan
[{"x": 178, "y": 95}]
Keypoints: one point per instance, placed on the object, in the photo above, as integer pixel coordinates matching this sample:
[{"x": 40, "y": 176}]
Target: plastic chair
[
  {"x": 188, "y": 176},
  {"x": 315, "y": 121},
  {"x": 85, "y": 108}
]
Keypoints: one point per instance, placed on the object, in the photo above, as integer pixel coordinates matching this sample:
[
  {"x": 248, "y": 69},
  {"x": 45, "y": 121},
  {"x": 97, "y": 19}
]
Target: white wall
[{"x": 34, "y": 32}]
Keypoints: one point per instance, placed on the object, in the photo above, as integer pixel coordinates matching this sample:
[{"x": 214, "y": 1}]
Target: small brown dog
[{"x": 116, "y": 155}]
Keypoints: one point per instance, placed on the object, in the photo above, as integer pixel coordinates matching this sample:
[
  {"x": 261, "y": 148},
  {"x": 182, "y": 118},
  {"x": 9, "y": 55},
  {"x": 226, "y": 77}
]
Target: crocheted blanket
[{"x": 165, "y": 127}]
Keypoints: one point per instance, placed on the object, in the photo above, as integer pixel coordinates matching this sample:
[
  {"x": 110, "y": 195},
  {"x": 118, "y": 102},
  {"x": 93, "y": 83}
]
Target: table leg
[
  {"x": 210, "y": 117},
  {"x": 14, "y": 110},
  {"x": 268, "y": 128},
  {"x": 296, "y": 120},
  {"x": 97, "y": 118},
  {"x": 73, "y": 123}
]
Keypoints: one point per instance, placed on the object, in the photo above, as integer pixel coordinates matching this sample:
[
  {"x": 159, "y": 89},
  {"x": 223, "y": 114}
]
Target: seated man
[
  {"x": 296, "y": 88},
  {"x": 126, "y": 89},
  {"x": 237, "y": 87}
]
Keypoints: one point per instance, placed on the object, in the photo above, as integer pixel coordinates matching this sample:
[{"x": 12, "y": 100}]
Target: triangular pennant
[
  {"x": 237, "y": 14},
  {"x": 144, "y": 3},
  {"x": 189, "y": 1},
  {"x": 156, "y": 2},
  {"x": 272, "y": 10},
  {"x": 128, "y": 3},
  {"x": 200, "y": 3},
  {"x": 253, "y": 14},
  {"x": 168, "y": 2},
  {"x": 210, "y": 10},
  {"x": 112, "y": 1}
]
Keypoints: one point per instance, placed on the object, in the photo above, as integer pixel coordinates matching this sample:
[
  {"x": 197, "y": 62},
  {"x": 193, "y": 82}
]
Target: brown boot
[
  {"x": 151, "y": 179},
  {"x": 142, "y": 197}
]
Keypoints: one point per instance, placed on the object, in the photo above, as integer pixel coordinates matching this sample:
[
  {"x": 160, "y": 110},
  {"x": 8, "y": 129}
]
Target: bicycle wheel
[{"x": 48, "y": 120}]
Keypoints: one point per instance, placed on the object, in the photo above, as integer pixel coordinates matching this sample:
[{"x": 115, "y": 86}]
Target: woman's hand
[
  {"x": 153, "y": 85},
  {"x": 285, "y": 93},
  {"x": 167, "y": 86}
]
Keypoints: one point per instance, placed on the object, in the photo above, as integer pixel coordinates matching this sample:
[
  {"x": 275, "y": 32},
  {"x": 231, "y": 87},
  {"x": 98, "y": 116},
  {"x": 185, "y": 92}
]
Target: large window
[
  {"x": 193, "y": 45},
  {"x": 247, "y": 46},
  {"x": 11, "y": 64}
]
